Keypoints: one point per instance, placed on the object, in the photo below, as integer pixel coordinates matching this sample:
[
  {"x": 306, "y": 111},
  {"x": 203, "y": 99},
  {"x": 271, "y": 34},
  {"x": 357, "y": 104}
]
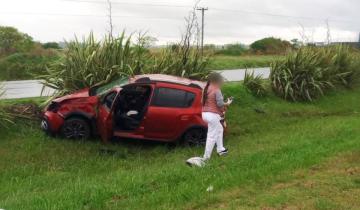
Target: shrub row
[
  {"x": 89, "y": 62},
  {"x": 310, "y": 72}
]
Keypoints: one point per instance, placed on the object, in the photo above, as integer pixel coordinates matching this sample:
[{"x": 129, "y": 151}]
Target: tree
[
  {"x": 11, "y": 40},
  {"x": 51, "y": 45},
  {"x": 271, "y": 45}
]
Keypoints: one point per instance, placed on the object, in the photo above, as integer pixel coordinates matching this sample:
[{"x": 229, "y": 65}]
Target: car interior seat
[{"x": 132, "y": 107}]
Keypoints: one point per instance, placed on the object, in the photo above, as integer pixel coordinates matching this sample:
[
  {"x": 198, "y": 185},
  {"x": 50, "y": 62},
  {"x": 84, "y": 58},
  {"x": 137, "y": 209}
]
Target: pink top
[{"x": 211, "y": 104}]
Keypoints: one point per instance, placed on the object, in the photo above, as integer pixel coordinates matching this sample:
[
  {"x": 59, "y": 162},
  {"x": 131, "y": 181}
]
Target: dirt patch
[
  {"x": 117, "y": 198},
  {"x": 26, "y": 111}
]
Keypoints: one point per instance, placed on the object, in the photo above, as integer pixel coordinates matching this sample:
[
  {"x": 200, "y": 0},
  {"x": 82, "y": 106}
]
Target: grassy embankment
[
  {"x": 221, "y": 62},
  {"x": 292, "y": 156}
]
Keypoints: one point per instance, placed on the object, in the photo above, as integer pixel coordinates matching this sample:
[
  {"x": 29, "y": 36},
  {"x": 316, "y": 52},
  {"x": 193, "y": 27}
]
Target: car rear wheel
[
  {"x": 195, "y": 137},
  {"x": 76, "y": 128}
]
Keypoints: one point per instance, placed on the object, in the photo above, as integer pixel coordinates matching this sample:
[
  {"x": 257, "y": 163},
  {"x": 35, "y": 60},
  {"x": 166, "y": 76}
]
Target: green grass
[
  {"x": 34, "y": 100},
  {"x": 271, "y": 156},
  {"x": 221, "y": 62}
]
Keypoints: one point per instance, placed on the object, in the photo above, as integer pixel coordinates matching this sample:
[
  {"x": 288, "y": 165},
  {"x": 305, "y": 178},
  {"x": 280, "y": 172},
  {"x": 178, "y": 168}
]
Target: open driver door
[{"x": 105, "y": 116}]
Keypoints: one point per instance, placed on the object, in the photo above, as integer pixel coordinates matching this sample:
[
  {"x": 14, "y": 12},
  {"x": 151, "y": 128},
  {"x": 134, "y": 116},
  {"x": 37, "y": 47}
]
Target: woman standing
[{"x": 212, "y": 112}]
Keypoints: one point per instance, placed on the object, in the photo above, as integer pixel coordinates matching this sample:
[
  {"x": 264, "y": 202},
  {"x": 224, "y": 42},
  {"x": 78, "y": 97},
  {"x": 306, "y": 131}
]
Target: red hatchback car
[{"x": 152, "y": 107}]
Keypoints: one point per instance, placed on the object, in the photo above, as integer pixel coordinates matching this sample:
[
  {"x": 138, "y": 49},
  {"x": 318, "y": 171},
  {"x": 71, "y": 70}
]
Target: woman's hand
[{"x": 229, "y": 101}]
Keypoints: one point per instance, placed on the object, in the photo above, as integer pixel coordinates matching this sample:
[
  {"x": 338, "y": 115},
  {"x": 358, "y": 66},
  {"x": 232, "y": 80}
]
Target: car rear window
[{"x": 169, "y": 97}]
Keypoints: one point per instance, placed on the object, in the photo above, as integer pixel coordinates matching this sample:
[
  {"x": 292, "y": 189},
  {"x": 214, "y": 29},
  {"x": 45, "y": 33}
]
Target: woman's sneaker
[
  {"x": 196, "y": 161},
  {"x": 223, "y": 153}
]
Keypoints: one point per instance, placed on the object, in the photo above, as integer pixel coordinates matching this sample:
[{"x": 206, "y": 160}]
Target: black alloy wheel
[
  {"x": 195, "y": 137},
  {"x": 76, "y": 128}
]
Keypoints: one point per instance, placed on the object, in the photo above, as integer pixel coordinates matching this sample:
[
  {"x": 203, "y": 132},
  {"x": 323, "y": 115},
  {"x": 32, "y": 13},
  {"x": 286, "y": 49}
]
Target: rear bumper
[{"x": 51, "y": 122}]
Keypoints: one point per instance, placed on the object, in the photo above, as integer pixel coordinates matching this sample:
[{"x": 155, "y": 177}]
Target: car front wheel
[
  {"x": 195, "y": 137},
  {"x": 75, "y": 128}
]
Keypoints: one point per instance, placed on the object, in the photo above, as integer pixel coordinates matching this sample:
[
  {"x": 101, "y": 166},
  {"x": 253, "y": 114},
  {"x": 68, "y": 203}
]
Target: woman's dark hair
[{"x": 212, "y": 78}]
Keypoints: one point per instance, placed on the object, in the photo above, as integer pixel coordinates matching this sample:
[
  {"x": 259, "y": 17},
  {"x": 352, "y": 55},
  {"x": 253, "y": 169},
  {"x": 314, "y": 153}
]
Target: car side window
[
  {"x": 170, "y": 97},
  {"x": 109, "y": 99}
]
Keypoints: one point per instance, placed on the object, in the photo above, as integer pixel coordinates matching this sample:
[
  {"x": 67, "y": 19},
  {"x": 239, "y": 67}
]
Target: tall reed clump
[
  {"x": 255, "y": 84},
  {"x": 181, "y": 60},
  {"x": 310, "y": 72},
  {"x": 345, "y": 65},
  {"x": 89, "y": 62}
]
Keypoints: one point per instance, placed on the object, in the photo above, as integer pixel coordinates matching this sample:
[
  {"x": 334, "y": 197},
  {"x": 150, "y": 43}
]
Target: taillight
[{"x": 53, "y": 107}]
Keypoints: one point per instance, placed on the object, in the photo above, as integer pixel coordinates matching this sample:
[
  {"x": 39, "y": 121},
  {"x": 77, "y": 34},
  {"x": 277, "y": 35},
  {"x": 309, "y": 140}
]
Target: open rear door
[{"x": 105, "y": 116}]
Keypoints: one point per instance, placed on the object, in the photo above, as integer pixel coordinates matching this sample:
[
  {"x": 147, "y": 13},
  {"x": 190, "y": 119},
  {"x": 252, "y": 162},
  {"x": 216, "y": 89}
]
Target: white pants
[{"x": 214, "y": 135}]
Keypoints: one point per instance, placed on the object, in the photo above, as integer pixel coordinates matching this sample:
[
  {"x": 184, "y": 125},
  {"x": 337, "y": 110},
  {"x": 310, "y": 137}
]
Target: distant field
[
  {"x": 220, "y": 62},
  {"x": 22, "y": 66},
  {"x": 291, "y": 156}
]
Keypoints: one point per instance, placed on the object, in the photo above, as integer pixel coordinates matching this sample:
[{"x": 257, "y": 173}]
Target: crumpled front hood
[{"x": 84, "y": 93}]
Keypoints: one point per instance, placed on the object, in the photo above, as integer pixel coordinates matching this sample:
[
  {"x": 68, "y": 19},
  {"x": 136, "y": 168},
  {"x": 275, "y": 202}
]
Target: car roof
[{"x": 168, "y": 79}]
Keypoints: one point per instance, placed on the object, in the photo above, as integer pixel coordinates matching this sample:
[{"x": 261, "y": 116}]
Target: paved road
[
  {"x": 239, "y": 74},
  {"x": 25, "y": 89},
  {"x": 33, "y": 88}
]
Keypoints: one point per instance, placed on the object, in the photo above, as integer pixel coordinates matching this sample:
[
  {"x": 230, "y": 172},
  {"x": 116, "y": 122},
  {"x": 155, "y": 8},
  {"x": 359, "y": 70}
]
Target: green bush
[
  {"x": 12, "y": 41},
  {"x": 271, "y": 46},
  {"x": 309, "y": 72},
  {"x": 254, "y": 84},
  {"x": 21, "y": 66},
  {"x": 51, "y": 45}
]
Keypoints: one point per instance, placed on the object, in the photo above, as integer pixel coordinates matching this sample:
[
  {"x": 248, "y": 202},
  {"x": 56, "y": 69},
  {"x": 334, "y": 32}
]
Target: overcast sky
[{"x": 227, "y": 21}]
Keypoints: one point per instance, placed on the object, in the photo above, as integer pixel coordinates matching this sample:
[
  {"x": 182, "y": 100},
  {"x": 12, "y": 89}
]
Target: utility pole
[
  {"x": 202, "y": 9},
  {"x": 111, "y": 26}
]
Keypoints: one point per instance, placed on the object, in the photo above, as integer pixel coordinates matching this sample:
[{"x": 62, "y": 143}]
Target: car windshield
[{"x": 102, "y": 89}]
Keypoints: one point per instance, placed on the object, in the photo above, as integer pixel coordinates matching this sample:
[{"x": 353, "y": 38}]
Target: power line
[
  {"x": 90, "y": 15},
  {"x": 149, "y": 17},
  {"x": 281, "y": 15},
  {"x": 218, "y": 9},
  {"x": 181, "y": 6},
  {"x": 129, "y": 3}
]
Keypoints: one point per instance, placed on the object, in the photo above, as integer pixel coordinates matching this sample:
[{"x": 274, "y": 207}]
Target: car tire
[
  {"x": 45, "y": 126},
  {"x": 75, "y": 128},
  {"x": 195, "y": 137}
]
